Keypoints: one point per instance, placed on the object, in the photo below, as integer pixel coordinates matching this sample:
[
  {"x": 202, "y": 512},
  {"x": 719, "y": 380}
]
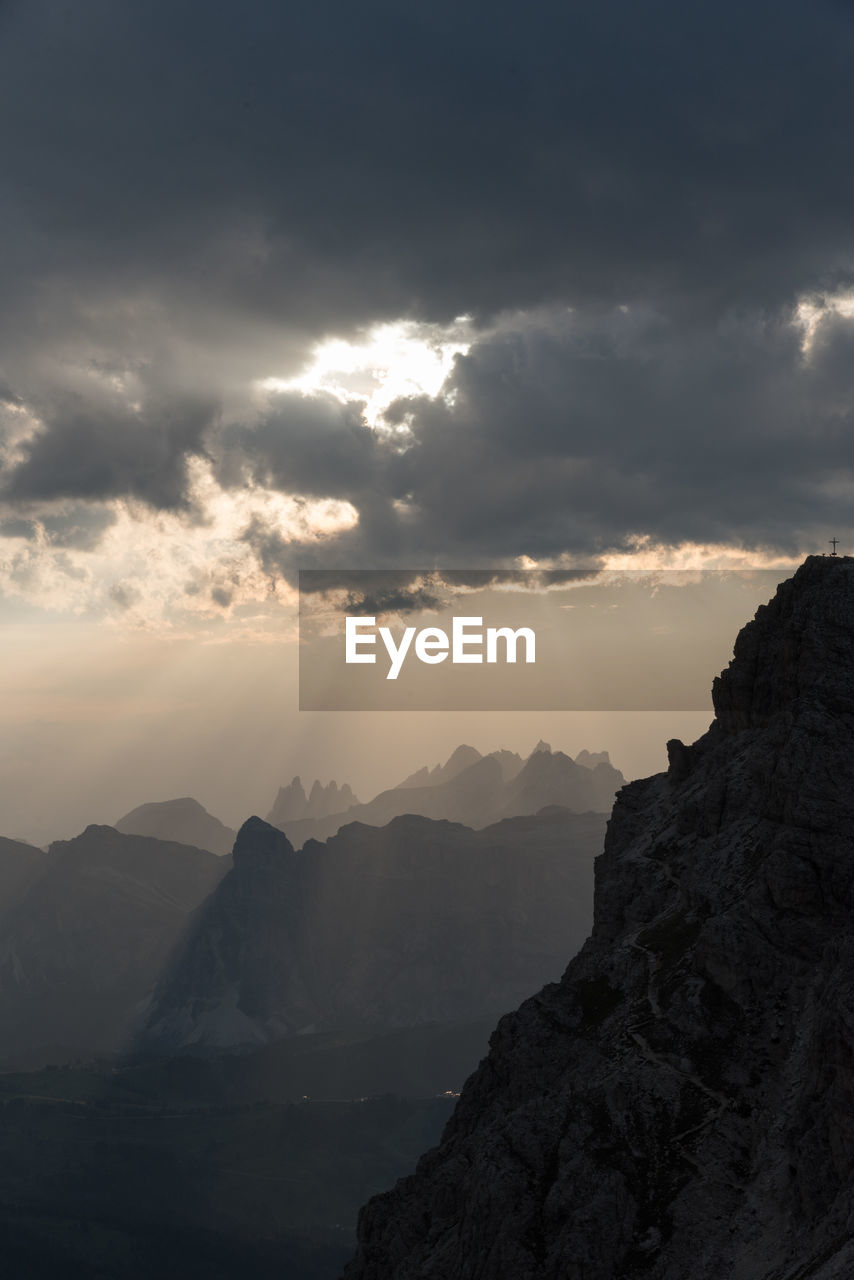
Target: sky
[{"x": 385, "y": 285}]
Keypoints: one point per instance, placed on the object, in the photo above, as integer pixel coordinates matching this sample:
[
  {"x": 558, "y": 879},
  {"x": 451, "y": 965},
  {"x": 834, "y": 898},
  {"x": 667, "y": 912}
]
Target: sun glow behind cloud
[
  {"x": 169, "y": 570},
  {"x": 159, "y": 569},
  {"x": 394, "y": 360},
  {"x": 644, "y": 555},
  {"x": 812, "y": 311},
  {"x": 163, "y": 570}
]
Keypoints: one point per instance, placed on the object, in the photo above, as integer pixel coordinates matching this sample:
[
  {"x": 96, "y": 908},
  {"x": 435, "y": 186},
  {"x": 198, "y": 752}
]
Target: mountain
[
  {"x": 590, "y": 759},
  {"x": 680, "y": 1103},
  {"x": 20, "y": 865},
  {"x": 413, "y": 923},
  {"x": 292, "y": 804},
  {"x": 462, "y": 758},
  {"x": 83, "y": 946},
  {"x": 510, "y": 761},
  {"x": 478, "y": 793},
  {"x": 550, "y": 777},
  {"x": 183, "y": 821}
]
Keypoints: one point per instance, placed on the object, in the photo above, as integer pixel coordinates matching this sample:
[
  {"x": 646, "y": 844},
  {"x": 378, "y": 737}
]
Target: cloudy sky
[{"x": 392, "y": 285}]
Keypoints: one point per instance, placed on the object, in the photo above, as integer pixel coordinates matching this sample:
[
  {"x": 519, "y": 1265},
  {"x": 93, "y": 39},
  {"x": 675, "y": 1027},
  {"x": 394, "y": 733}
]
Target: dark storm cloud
[
  {"x": 433, "y": 158},
  {"x": 382, "y": 592},
  {"x": 312, "y": 445},
  {"x": 381, "y": 603},
  {"x": 100, "y": 447},
  {"x": 226, "y": 185},
  {"x": 78, "y": 529},
  {"x": 581, "y": 435},
  {"x": 578, "y": 434}
]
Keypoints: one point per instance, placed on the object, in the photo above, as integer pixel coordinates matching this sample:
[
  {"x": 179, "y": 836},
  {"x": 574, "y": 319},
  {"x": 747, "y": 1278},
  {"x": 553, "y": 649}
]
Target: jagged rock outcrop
[
  {"x": 184, "y": 821},
  {"x": 329, "y": 799},
  {"x": 681, "y": 1104},
  {"x": 292, "y": 804},
  {"x": 413, "y": 923}
]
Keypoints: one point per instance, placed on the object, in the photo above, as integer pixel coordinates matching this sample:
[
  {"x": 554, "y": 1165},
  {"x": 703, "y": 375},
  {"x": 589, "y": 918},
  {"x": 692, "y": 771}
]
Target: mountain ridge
[
  {"x": 182, "y": 821},
  {"x": 420, "y": 921},
  {"x": 83, "y": 945},
  {"x": 478, "y": 790}
]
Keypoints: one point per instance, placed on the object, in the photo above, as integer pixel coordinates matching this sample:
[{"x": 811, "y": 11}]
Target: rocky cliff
[{"x": 681, "y": 1104}]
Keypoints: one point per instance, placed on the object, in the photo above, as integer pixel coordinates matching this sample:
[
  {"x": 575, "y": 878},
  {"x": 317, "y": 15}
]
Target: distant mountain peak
[
  {"x": 592, "y": 759},
  {"x": 292, "y": 804},
  {"x": 419, "y": 921},
  {"x": 258, "y": 840},
  {"x": 184, "y": 821},
  {"x": 81, "y": 948},
  {"x": 461, "y": 758}
]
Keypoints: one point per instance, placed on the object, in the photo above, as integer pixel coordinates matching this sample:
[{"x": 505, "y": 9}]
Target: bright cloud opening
[
  {"x": 810, "y": 312},
  {"x": 394, "y": 360},
  {"x": 161, "y": 570}
]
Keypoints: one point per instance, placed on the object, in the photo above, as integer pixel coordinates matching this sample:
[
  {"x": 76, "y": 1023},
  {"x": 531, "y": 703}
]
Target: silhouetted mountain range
[
  {"x": 374, "y": 963},
  {"x": 20, "y": 865},
  {"x": 478, "y": 790},
  {"x": 462, "y": 758},
  {"x": 680, "y": 1103},
  {"x": 416, "y": 919},
  {"x": 416, "y": 922},
  {"x": 184, "y": 821},
  {"x": 292, "y": 804},
  {"x": 82, "y": 946}
]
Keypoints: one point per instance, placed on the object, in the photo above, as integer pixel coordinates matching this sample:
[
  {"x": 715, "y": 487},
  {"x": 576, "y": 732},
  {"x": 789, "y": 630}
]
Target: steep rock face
[
  {"x": 681, "y": 1103},
  {"x": 404, "y": 925}
]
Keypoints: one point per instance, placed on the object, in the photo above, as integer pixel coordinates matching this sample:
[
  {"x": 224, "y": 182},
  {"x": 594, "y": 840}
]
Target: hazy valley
[{"x": 327, "y": 1001}]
